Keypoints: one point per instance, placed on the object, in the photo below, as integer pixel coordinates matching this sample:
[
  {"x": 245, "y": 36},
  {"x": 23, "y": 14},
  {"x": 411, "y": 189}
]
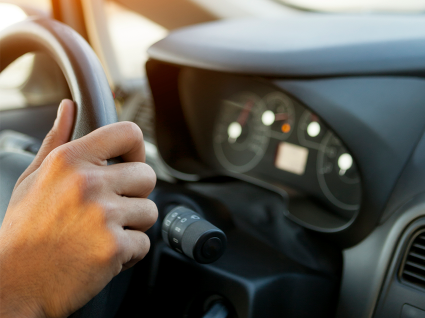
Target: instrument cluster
[{"x": 277, "y": 139}]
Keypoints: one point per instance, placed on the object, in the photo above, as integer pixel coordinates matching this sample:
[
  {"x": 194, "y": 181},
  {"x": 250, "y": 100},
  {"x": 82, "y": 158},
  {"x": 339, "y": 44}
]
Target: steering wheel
[{"x": 95, "y": 108}]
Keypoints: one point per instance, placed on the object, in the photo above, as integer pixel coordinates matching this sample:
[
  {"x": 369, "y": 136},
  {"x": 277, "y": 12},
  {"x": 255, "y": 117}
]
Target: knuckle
[
  {"x": 81, "y": 180},
  {"x": 109, "y": 251},
  {"x": 106, "y": 210},
  {"x": 85, "y": 179},
  {"x": 150, "y": 177},
  {"x": 146, "y": 178},
  {"x": 151, "y": 212},
  {"x": 145, "y": 245},
  {"x": 131, "y": 130},
  {"x": 59, "y": 156}
]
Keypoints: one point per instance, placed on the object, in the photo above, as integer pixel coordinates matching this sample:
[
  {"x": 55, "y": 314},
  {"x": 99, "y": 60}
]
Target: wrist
[
  {"x": 16, "y": 298},
  {"x": 16, "y": 308}
]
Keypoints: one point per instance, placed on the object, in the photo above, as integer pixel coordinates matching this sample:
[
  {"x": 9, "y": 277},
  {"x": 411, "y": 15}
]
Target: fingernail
[
  {"x": 60, "y": 108},
  {"x": 58, "y": 114}
]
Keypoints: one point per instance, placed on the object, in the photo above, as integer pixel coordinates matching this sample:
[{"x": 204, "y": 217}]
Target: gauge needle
[
  {"x": 281, "y": 116},
  {"x": 243, "y": 116}
]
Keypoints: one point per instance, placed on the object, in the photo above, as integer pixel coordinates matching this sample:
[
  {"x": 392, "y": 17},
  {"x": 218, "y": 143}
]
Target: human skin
[{"x": 73, "y": 222}]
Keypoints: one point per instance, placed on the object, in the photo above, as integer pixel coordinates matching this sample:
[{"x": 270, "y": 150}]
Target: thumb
[{"x": 57, "y": 136}]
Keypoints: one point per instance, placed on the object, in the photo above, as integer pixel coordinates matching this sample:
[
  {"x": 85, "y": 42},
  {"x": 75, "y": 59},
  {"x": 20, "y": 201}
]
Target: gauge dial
[
  {"x": 240, "y": 137},
  {"x": 337, "y": 174},
  {"x": 280, "y": 115},
  {"x": 310, "y": 130}
]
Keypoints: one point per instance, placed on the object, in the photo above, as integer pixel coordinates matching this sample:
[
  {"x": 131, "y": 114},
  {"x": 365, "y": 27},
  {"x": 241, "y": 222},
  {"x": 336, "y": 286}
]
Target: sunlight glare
[{"x": 10, "y": 14}]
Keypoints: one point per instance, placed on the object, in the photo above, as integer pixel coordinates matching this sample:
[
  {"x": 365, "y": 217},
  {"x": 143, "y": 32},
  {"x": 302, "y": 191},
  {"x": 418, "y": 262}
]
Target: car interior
[{"x": 287, "y": 137}]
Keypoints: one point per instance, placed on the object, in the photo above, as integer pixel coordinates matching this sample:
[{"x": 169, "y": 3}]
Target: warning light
[{"x": 286, "y": 128}]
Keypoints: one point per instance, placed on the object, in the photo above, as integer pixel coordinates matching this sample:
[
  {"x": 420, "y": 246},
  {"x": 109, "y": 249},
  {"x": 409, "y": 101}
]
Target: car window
[
  {"x": 402, "y": 6},
  {"x": 14, "y": 77},
  {"x": 131, "y": 34}
]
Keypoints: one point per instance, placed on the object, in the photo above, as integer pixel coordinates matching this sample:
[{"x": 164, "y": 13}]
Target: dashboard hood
[{"x": 302, "y": 45}]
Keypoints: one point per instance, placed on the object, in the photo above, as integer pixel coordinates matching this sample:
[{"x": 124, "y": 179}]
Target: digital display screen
[{"x": 291, "y": 158}]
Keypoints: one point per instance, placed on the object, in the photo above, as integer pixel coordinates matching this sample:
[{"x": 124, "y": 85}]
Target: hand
[{"x": 73, "y": 222}]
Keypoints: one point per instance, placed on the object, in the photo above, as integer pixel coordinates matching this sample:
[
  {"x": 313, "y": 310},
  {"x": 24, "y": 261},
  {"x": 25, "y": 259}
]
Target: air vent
[{"x": 413, "y": 270}]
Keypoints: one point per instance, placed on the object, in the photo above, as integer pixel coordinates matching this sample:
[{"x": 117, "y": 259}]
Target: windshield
[{"x": 402, "y": 6}]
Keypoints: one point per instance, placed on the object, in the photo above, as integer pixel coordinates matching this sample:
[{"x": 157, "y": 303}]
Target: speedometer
[{"x": 240, "y": 137}]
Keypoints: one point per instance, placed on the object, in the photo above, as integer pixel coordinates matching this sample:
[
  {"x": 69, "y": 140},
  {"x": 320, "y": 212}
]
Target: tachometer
[
  {"x": 337, "y": 174},
  {"x": 240, "y": 137}
]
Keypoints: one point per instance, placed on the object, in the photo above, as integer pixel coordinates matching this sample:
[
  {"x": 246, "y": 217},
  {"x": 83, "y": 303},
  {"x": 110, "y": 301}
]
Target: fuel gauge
[{"x": 337, "y": 173}]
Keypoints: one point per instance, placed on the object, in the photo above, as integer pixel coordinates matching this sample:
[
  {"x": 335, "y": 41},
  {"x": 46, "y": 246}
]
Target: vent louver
[{"x": 413, "y": 271}]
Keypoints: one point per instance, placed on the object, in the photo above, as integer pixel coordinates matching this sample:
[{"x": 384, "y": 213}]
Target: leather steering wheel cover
[{"x": 85, "y": 76}]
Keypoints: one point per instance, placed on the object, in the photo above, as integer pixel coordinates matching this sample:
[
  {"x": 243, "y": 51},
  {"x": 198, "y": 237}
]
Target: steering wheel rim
[
  {"x": 95, "y": 108},
  {"x": 85, "y": 76}
]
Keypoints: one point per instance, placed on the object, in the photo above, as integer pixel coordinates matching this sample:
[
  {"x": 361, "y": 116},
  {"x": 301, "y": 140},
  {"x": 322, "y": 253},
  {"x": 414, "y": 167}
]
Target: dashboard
[{"x": 325, "y": 110}]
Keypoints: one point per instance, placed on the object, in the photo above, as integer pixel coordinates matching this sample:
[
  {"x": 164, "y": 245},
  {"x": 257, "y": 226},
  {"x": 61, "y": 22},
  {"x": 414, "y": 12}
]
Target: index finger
[{"x": 123, "y": 139}]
